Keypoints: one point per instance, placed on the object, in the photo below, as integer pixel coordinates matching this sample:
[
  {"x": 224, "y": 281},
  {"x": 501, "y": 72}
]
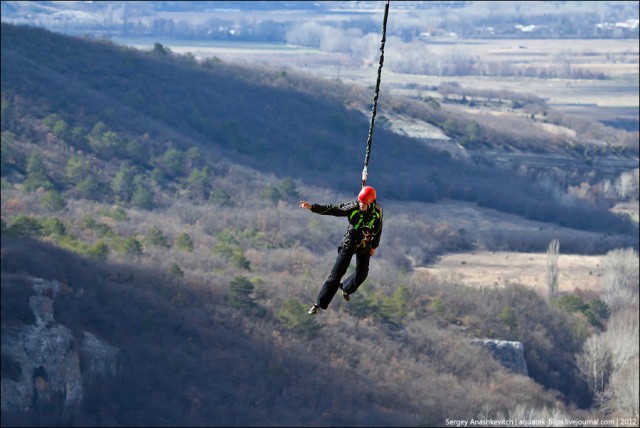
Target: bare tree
[
  {"x": 627, "y": 185},
  {"x": 524, "y": 412},
  {"x": 621, "y": 337},
  {"x": 625, "y": 389},
  {"x": 609, "y": 363},
  {"x": 595, "y": 364},
  {"x": 619, "y": 279},
  {"x": 552, "y": 267}
]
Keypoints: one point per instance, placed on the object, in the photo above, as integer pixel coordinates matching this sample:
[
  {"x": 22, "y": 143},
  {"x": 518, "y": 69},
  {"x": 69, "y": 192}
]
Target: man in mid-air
[{"x": 362, "y": 239}]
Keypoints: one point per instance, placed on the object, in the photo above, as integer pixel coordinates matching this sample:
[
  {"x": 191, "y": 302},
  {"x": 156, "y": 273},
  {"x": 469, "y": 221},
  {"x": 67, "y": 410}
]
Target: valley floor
[{"x": 497, "y": 269}]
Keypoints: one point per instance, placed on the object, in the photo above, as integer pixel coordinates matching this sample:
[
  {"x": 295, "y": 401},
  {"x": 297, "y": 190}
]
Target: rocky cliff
[
  {"x": 508, "y": 353},
  {"x": 45, "y": 365}
]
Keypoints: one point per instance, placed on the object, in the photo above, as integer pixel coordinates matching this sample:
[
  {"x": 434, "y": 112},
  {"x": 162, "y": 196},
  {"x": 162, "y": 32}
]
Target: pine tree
[
  {"x": 36, "y": 174},
  {"x": 184, "y": 242},
  {"x": 157, "y": 238},
  {"x": 142, "y": 196}
]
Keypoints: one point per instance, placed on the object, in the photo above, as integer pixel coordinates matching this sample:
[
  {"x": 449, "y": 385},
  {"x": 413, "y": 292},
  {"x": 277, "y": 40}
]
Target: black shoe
[
  {"x": 345, "y": 296},
  {"x": 313, "y": 310}
]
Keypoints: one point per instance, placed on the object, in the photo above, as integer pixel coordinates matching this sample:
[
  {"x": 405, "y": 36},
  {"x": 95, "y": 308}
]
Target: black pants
[{"x": 340, "y": 267}]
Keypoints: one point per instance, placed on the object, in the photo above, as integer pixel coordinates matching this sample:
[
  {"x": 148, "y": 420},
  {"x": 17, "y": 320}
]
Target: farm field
[
  {"x": 614, "y": 98},
  {"x": 497, "y": 269},
  {"x": 487, "y": 268}
]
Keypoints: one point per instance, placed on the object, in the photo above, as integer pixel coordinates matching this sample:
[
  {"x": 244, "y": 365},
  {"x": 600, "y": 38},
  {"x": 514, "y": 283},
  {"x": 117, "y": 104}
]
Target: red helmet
[{"x": 367, "y": 195}]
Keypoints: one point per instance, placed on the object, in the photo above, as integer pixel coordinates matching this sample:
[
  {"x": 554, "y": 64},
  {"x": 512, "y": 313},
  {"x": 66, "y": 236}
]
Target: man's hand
[
  {"x": 372, "y": 251},
  {"x": 305, "y": 205}
]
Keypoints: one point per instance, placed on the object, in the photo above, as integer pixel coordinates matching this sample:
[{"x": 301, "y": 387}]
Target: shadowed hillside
[
  {"x": 270, "y": 120},
  {"x": 188, "y": 358},
  {"x": 189, "y": 363}
]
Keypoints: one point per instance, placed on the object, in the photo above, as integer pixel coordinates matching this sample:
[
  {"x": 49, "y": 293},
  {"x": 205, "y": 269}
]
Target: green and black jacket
[{"x": 365, "y": 227}]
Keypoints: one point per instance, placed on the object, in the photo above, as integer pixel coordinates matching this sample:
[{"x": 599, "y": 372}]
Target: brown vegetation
[
  {"x": 178, "y": 333},
  {"x": 200, "y": 268}
]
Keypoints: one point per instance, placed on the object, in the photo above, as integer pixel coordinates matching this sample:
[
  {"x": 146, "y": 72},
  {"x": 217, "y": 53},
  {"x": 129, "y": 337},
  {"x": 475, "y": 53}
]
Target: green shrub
[
  {"x": 438, "y": 306},
  {"x": 129, "y": 246},
  {"x": 176, "y": 270},
  {"x": 90, "y": 188},
  {"x": 53, "y": 201},
  {"x": 99, "y": 251},
  {"x": 229, "y": 248},
  {"x": 101, "y": 229},
  {"x": 77, "y": 167},
  {"x": 239, "y": 260},
  {"x": 272, "y": 194},
  {"x": 222, "y": 249},
  {"x": 595, "y": 310},
  {"x": 572, "y": 303},
  {"x": 388, "y": 310},
  {"x": 173, "y": 162},
  {"x": 155, "y": 237},
  {"x": 392, "y": 310},
  {"x": 288, "y": 188},
  {"x": 122, "y": 184},
  {"x": 184, "y": 242},
  {"x": 220, "y": 197},
  {"x": 117, "y": 214},
  {"x": 198, "y": 183},
  {"x": 87, "y": 222},
  {"x": 241, "y": 290},
  {"x": 36, "y": 175},
  {"x": 362, "y": 307},
  {"x": 142, "y": 197},
  {"x": 599, "y": 309},
  {"x": 53, "y": 227},
  {"x": 508, "y": 317},
  {"x": 25, "y": 225},
  {"x": 293, "y": 316}
]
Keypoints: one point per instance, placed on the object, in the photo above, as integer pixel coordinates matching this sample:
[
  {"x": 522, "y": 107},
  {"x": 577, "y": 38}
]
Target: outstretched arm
[{"x": 341, "y": 210}]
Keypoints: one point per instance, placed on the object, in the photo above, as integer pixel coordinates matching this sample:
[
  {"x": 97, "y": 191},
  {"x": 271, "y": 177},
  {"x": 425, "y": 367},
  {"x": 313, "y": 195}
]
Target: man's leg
[
  {"x": 356, "y": 278},
  {"x": 333, "y": 281}
]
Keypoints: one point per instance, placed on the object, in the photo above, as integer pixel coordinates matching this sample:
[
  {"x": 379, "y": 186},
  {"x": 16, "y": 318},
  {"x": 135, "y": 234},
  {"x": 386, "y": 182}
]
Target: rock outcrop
[
  {"x": 508, "y": 353},
  {"x": 45, "y": 364}
]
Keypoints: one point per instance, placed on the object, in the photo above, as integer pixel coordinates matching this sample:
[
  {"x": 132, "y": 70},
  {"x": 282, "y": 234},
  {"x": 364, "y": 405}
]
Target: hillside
[
  {"x": 189, "y": 357},
  {"x": 269, "y": 120},
  {"x": 149, "y": 203}
]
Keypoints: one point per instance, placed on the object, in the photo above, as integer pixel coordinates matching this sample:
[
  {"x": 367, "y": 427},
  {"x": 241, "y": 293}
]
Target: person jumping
[{"x": 362, "y": 239}]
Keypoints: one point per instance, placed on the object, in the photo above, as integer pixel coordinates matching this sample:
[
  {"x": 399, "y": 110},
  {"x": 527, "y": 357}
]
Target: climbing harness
[
  {"x": 375, "y": 96},
  {"x": 369, "y": 225}
]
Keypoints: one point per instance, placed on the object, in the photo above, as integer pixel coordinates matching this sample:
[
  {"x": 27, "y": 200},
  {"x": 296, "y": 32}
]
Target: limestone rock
[
  {"x": 508, "y": 353},
  {"x": 43, "y": 360}
]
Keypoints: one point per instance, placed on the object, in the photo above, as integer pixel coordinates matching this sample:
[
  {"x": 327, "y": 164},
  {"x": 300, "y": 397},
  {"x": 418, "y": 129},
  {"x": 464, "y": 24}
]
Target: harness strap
[{"x": 374, "y": 216}]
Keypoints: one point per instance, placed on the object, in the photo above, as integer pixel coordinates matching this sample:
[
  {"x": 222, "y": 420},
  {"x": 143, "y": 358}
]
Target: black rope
[{"x": 375, "y": 96}]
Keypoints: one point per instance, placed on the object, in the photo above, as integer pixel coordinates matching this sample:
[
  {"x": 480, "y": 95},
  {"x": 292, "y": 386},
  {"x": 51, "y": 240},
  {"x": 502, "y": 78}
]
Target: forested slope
[
  {"x": 126, "y": 176},
  {"x": 189, "y": 356},
  {"x": 271, "y": 120}
]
